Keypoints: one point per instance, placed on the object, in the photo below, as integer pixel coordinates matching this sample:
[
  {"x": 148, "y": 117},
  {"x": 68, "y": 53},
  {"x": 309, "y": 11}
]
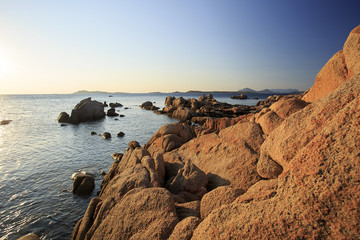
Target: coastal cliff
[{"x": 289, "y": 171}]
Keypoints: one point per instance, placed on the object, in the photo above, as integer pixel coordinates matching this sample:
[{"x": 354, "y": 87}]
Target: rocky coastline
[{"x": 288, "y": 168}]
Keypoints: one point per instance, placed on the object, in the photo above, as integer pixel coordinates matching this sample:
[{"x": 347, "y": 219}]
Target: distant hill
[
  {"x": 266, "y": 91},
  {"x": 270, "y": 91},
  {"x": 247, "y": 90}
]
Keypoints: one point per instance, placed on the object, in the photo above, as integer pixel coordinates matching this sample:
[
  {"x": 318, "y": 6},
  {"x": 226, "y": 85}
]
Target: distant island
[{"x": 244, "y": 90}]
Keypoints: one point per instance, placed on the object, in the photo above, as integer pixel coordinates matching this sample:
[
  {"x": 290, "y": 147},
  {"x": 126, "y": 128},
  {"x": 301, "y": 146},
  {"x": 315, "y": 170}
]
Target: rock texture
[
  {"x": 229, "y": 157},
  {"x": 218, "y": 197},
  {"x": 317, "y": 194},
  {"x": 141, "y": 213},
  {"x": 184, "y": 229},
  {"x": 340, "y": 68}
]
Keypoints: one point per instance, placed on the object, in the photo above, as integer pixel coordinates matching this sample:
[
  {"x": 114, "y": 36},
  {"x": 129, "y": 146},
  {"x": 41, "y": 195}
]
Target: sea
[{"x": 38, "y": 156}]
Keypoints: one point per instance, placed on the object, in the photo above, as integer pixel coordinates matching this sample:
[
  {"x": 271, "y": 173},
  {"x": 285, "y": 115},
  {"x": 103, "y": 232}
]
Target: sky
[{"x": 63, "y": 46}]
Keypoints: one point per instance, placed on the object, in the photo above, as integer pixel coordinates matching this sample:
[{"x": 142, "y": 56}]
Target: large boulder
[
  {"x": 340, "y": 68},
  {"x": 190, "y": 179},
  {"x": 218, "y": 197},
  {"x": 142, "y": 213},
  {"x": 317, "y": 196},
  {"x": 87, "y": 110},
  {"x": 132, "y": 177},
  {"x": 183, "y": 113},
  {"x": 169, "y": 137},
  {"x": 112, "y": 113},
  {"x": 185, "y": 228},
  {"x": 228, "y": 157}
]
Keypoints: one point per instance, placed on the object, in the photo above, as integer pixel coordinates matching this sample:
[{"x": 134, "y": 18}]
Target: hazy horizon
[{"x": 143, "y": 46}]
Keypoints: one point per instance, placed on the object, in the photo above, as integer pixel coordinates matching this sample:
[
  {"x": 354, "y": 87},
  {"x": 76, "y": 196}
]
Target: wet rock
[
  {"x": 148, "y": 106},
  {"x": 83, "y": 184},
  {"x": 93, "y": 133},
  {"x": 111, "y": 112},
  {"x": 106, "y": 135},
  {"x": 63, "y": 117},
  {"x": 120, "y": 134},
  {"x": 105, "y": 104},
  {"x": 115, "y": 105}
]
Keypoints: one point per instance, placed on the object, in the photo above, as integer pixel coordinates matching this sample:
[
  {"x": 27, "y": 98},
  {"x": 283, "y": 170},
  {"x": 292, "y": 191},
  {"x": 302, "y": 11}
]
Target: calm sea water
[{"x": 38, "y": 156}]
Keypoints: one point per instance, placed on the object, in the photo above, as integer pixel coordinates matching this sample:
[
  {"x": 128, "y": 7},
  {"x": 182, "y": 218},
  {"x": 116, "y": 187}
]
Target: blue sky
[{"x": 168, "y": 45}]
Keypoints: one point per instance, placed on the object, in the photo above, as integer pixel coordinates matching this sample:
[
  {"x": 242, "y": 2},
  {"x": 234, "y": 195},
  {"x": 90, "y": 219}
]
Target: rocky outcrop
[
  {"x": 154, "y": 205},
  {"x": 340, "y": 68},
  {"x": 189, "y": 181},
  {"x": 169, "y": 137},
  {"x": 148, "y": 106},
  {"x": 317, "y": 194},
  {"x": 83, "y": 184},
  {"x": 229, "y": 157},
  {"x": 115, "y": 105},
  {"x": 205, "y": 106},
  {"x": 86, "y": 110},
  {"x": 240, "y": 96},
  {"x": 217, "y": 198},
  {"x": 111, "y": 112},
  {"x": 184, "y": 229},
  {"x": 290, "y": 170}
]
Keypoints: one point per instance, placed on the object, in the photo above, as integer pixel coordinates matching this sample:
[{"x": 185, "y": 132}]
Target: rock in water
[
  {"x": 106, "y": 135},
  {"x": 83, "y": 184},
  {"x": 63, "y": 117},
  {"x": 111, "y": 112},
  {"x": 121, "y": 134},
  {"x": 87, "y": 110},
  {"x": 241, "y": 96}
]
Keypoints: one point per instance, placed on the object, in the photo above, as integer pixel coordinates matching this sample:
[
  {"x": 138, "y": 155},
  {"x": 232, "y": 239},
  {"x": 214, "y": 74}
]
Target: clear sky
[{"x": 61, "y": 46}]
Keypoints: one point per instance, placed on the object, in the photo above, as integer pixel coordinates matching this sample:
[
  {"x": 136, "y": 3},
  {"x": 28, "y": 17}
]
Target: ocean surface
[{"x": 38, "y": 156}]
